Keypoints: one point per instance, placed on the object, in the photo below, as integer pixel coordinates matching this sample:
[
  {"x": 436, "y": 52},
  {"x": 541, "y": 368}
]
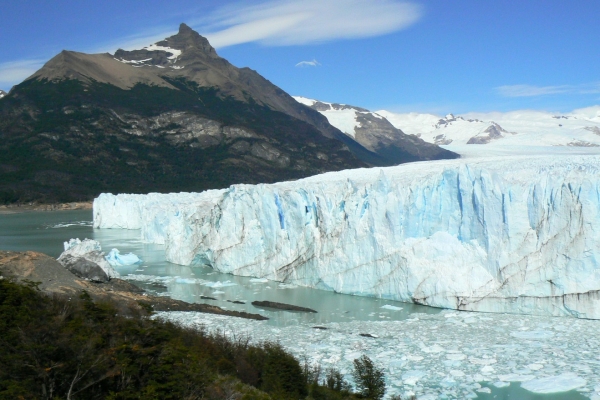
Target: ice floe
[{"x": 440, "y": 355}]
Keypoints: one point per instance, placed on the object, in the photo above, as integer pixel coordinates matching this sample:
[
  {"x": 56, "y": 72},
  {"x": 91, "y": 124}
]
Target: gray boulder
[{"x": 83, "y": 268}]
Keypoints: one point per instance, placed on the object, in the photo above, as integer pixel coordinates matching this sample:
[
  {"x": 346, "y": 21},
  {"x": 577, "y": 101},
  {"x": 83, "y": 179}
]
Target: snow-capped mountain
[
  {"x": 2, "y": 93},
  {"x": 580, "y": 128},
  {"x": 376, "y": 133}
]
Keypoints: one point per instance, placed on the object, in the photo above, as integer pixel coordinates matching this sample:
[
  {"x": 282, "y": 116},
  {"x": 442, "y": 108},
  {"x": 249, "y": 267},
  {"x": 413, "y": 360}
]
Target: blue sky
[{"x": 421, "y": 55}]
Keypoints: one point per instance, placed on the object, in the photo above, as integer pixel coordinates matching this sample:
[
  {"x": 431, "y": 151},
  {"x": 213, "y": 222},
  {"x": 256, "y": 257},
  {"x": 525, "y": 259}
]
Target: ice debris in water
[
  {"x": 116, "y": 259},
  {"x": 553, "y": 384},
  {"x": 390, "y": 307},
  {"x": 445, "y": 355},
  {"x": 165, "y": 280},
  {"x": 259, "y": 280}
]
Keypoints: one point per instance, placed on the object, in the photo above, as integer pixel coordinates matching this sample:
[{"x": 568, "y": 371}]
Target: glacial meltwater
[{"x": 435, "y": 354}]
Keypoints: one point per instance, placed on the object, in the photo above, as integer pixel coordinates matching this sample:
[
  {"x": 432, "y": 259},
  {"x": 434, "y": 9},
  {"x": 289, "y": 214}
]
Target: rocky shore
[
  {"x": 53, "y": 279},
  {"x": 27, "y": 207}
]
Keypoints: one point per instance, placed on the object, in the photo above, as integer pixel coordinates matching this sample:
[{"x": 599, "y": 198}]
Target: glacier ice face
[
  {"x": 91, "y": 251},
  {"x": 512, "y": 234}
]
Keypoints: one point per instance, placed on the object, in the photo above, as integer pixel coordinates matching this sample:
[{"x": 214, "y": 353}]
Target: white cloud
[
  {"x": 531, "y": 91},
  {"x": 313, "y": 63},
  {"x": 14, "y": 72},
  {"x": 292, "y": 22}
]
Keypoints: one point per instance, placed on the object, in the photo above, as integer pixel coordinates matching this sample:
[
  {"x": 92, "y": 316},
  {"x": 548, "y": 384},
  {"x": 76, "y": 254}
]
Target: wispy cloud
[
  {"x": 292, "y": 22},
  {"x": 532, "y": 91},
  {"x": 14, "y": 72},
  {"x": 313, "y": 63}
]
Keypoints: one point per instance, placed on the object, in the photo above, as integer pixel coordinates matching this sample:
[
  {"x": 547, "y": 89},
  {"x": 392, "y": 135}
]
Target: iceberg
[
  {"x": 501, "y": 234},
  {"x": 116, "y": 259}
]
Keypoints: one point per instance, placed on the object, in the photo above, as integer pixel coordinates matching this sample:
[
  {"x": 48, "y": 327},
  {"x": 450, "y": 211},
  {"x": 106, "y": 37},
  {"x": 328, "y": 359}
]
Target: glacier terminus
[{"x": 516, "y": 234}]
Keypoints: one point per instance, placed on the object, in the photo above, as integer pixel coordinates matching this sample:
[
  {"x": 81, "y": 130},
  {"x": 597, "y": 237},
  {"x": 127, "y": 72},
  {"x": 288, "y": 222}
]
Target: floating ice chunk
[
  {"x": 535, "y": 367},
  {"x": 259, "y": 280},
  {"x": 287, "y": 286},
  {"x": 69, "y": 224},
  {"x": 190, "y": 281},
  {"x": 436, "y": 348},
  {"x": 411, "y": 377},
  {"x": 456, "y": 372},
  {"x": 218, "y": 292},
  {"x": 150, "y": 278},
  {"x": 456, "y": 357},
  {"x": 218, "y": 284},
  {"x": 482, "y": 361},
  {"x": 488, "y": 369},
  {"x": 501, "y": 384},
  {"x": 515, "y": 378},
  {"x": 116, "y": 259},
  {"x": 484, "y": 390},
  {"x": 532, "y": 335},
  {"x": 393, "y": 308},
  {"x": 554, "y": 384}
]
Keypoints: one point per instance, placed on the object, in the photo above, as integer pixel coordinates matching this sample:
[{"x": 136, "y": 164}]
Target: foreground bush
[{"x": 55, "y": 348}]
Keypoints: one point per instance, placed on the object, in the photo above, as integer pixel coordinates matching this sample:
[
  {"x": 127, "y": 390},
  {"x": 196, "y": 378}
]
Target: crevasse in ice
[{"x": 511, "y": 234}]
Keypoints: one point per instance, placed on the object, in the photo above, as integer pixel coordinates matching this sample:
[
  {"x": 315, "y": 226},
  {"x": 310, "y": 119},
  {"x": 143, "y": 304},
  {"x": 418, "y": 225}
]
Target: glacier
[{"x": 501, "y": 234}]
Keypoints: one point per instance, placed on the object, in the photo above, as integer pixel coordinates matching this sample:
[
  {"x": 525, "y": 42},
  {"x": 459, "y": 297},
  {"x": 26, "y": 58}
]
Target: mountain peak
[
  {"x": 189, "y": 39},
  {"x": 184, "y": 29},
  {"x": 175, "y": 51}
]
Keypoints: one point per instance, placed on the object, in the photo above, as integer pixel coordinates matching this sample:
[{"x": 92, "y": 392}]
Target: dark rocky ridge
[{"x": 378, "y": 135}]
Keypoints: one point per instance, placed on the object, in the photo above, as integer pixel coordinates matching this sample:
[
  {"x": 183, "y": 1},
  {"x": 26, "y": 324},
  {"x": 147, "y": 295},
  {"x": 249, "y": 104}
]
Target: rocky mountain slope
[
  {"x": 376, "y": 133},
  {"x": 173, "y": 116},
  {"x": 580, "y": 128},
  {"x": 2, "y": 93}
]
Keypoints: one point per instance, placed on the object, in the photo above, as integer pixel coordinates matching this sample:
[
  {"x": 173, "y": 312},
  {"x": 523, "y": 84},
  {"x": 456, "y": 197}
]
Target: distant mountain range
[
  {"x": 173, "y": 116},
  {"x": 382, "y": 131},
  {"x": 580, "y": 128}
]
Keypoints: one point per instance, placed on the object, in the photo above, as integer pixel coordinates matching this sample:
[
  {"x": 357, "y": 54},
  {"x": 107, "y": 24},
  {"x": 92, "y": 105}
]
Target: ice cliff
[{"x": 512, "y": 234}]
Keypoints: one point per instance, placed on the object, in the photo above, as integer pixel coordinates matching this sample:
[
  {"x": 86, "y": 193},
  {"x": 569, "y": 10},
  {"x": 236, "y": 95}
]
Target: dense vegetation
[
  {"x": 56, "y": 348},
  {"x": 69, "y": 141}
]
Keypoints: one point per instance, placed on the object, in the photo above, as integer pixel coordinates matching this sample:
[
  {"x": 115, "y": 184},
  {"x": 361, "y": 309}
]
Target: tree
[{"x": 369, "y": 380}]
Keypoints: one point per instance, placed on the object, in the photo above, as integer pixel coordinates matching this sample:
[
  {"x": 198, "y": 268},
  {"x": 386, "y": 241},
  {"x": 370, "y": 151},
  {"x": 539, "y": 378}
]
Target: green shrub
[{"x": 369, "y": 379}]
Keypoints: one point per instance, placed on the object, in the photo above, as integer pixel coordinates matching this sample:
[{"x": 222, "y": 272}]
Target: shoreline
[{"x": 31, "y": 207}]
